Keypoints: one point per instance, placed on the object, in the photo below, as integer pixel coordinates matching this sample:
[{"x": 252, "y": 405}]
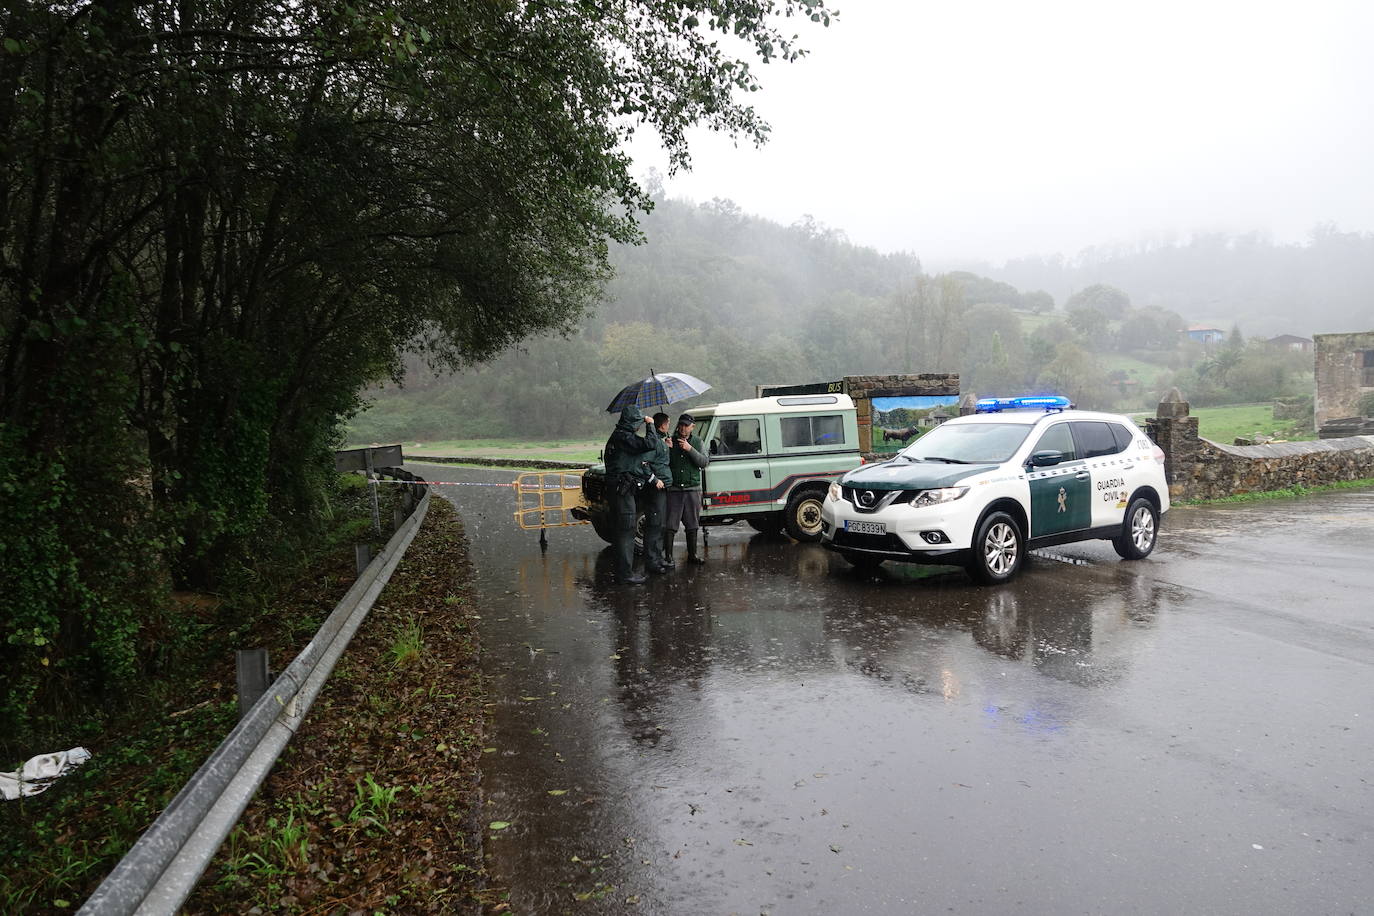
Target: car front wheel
[
  {"x": 802, "y": 517},
  {"x": 1139, "y": 531},
  {"x": 998, "y": 549}
]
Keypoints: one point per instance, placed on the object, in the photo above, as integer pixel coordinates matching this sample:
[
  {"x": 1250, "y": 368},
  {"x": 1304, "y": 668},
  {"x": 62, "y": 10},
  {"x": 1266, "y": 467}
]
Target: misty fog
[{"x": 993, "y": 131}]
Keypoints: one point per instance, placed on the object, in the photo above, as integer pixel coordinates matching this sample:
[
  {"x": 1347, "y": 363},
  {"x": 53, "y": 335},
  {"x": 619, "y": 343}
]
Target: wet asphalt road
[{"x": 772, "y": 733}]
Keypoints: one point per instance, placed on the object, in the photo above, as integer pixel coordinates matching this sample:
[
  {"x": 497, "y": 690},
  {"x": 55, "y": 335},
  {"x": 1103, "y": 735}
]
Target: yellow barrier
[{"x": 546, "y": 499}]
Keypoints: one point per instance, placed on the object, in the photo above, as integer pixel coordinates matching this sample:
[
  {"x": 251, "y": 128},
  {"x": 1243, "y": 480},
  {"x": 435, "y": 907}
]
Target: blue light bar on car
[{"x": 1028, "y": 402}]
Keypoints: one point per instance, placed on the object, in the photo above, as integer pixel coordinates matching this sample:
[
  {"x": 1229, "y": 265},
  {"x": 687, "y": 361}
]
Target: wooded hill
[
  {"x": 732, "y": 298},
  {"x": 1325, "y": 285},
  {"x": 738, "y": 301}
]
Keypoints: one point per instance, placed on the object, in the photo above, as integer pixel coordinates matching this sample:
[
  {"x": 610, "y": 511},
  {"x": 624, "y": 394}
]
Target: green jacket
[
  {"x": 687, "y": 466},
  {"x": 657, "y": 460},
  {"x": 625, "y": 451}
]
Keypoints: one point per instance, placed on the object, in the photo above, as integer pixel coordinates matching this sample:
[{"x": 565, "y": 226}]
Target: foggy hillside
[
  {"x": 1325, "y": 285},
  {"x": 739, "y": 301}
]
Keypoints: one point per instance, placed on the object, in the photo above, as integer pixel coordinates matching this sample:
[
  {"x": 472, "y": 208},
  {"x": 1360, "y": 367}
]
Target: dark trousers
[
  {"x": 684, "y": 508},
  {"x": 623, "y": 512},
  {"x": 652, "y": 501}
]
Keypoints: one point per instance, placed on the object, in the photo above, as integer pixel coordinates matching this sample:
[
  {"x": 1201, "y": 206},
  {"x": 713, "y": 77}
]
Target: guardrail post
[
  {"x": 362, "y": 555},
  {"x": 253, "y": 675},
  {"x": 398, "y": 518}
]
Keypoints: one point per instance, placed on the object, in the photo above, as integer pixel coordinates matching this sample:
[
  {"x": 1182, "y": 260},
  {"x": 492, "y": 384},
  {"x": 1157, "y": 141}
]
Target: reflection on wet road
[{"x": 772, "y": 732}]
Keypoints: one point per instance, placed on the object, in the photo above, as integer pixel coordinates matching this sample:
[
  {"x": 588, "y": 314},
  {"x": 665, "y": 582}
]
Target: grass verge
[
  {"x": 1288, "y": 493},
  {"x": 582, "y": 451}
]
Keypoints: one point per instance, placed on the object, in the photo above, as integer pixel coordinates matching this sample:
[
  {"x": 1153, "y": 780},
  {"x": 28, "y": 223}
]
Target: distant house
[
  {"x": 1290, "y": 342},
  {"x": 1204, "y": 334}
]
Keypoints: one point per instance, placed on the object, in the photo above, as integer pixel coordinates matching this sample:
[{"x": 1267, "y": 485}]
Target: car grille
[{"x": 884, "y": 499}]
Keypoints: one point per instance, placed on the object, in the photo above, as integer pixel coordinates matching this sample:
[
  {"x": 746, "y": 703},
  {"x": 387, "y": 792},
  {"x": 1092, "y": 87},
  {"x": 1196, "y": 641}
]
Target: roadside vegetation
[
  {"x": 374, "y": 807},
  {"x": 58, "y": 845},
  {"x": 213, "y": 238}
]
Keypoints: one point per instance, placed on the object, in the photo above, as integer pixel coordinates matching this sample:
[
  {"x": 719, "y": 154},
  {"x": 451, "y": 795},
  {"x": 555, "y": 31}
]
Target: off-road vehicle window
[
  {"x": 737, "y": 437},
  {"x": 968, "y": 443},
  {"x": 799, "y": 431}
]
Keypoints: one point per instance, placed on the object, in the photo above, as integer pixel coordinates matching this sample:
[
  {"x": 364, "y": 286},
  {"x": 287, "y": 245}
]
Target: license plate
[{"x": 857, "y": 527}]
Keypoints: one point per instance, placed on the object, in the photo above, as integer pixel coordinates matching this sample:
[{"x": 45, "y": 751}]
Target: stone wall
[
  {"x": 1340, "y": 374},
  {"x": 1198, "y": 468},
  {"x": 1296, "y": 408}
]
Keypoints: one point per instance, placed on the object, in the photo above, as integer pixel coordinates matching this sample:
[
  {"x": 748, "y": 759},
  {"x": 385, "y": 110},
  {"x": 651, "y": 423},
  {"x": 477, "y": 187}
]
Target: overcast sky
[{"x": 989, "y": 129}]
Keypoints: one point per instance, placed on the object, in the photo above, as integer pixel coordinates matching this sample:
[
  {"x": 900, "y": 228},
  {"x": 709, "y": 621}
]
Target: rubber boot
[
  {"x": 668, "y": 538},
  {"x": 692, "y": 555}
]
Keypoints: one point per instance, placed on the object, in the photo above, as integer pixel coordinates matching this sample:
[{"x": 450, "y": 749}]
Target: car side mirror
[{"x": 1046, "y": 458}]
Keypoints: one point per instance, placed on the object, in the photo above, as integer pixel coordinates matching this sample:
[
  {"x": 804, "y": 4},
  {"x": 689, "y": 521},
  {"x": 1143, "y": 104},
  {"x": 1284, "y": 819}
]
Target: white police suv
[{"x": 981, "y": 490}]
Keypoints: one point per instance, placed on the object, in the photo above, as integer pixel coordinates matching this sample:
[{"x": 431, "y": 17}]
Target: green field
[
  {"x": 1224, "y": 424},
  {"x": 576, "y": 450},
  {"x": 1138, "y": 369}
]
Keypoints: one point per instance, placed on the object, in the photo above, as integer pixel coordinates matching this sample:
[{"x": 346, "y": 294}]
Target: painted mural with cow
[{"x": 897, "y": 421}]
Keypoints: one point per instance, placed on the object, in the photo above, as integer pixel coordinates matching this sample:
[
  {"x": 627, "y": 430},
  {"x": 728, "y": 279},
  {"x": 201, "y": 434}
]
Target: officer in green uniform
[
  {"x": 652, "y": 499},
  {"x": 626, "y": 474}
]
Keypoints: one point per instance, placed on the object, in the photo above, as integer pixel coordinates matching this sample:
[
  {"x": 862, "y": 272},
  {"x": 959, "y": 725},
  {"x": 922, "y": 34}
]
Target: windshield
[{"x": 968, "y": 443}]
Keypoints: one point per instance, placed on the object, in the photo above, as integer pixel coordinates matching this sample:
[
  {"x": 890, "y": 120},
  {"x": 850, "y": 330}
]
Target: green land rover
[{"x": 772, "y": 461}]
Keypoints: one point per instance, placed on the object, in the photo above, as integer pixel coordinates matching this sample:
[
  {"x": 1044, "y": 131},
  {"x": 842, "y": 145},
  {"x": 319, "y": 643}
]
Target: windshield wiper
[{"x": 946, "y": 460}]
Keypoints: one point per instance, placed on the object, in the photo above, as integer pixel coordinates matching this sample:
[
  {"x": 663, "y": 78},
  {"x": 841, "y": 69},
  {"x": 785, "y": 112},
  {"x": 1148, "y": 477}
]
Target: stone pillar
[
  {"x": 968, "y": 404},
  {"x": 1174, "y": 431},
  {"x": 863, "y": 411}
]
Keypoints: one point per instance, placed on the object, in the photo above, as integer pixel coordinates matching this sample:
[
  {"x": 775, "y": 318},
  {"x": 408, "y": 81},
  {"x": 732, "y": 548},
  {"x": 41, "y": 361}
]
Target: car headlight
[
  {"x": 835, "y": 490},
  {"x": 934, "y": 497}
]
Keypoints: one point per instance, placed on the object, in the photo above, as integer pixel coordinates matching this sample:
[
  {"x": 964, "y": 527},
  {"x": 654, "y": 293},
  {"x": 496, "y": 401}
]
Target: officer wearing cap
[{"x": 686, "y": 459}]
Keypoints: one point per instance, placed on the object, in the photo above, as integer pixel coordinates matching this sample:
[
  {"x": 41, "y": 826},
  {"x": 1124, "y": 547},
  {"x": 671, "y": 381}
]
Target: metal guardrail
[{"x": 162, "y": 868}]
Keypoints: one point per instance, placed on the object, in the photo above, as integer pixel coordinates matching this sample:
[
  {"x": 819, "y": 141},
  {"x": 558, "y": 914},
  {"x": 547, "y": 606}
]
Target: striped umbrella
[{"x": 658, "y": 388}]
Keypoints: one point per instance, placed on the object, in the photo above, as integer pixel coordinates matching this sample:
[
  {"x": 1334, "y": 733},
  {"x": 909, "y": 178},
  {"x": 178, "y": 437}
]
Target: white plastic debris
[{"x": 40, "y": 772}]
